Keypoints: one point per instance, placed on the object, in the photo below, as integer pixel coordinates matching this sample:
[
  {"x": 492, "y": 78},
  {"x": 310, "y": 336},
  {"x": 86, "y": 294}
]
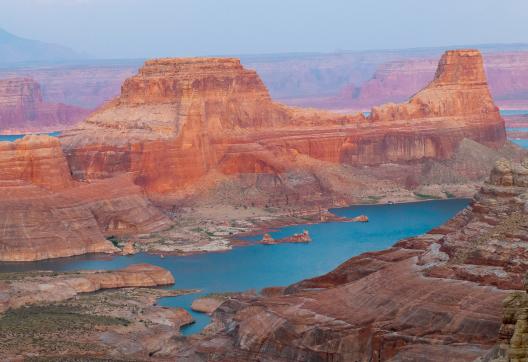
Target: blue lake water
[
  {"x": 258, "y": 266},
  {"x": 516, "y": 112},
  {"x": 513, "y": 112},
  {"x": 522, "y": 143},
  {"x": 14, "y": 137}
]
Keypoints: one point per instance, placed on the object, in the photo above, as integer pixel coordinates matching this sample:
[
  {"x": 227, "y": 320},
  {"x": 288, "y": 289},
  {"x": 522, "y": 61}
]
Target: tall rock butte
[
  {"x": 22, "y": 108},
  {"x": 181, "y": 119}
]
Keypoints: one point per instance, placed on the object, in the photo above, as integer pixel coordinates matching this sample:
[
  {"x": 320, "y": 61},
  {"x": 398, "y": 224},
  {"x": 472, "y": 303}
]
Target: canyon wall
[
  {"x": 179, "y": 120},
  {"x": 46, "y": 214},
  {"x": 22, "y": 108},
  {"x": 86, "y": 84}
]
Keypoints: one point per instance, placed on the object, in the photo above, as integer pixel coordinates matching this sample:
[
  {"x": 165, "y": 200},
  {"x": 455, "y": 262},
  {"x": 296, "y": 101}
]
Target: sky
[{"x": 154, "y": 28}]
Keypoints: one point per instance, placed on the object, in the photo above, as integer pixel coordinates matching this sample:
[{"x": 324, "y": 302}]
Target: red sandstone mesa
[
  {"x": 22, "y": 109},
  {"x": 397, "y": 80},
  {"x": 179, "y": 120}
]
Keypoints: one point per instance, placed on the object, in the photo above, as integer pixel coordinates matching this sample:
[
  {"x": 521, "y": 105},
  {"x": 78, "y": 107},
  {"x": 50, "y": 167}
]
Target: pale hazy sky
[{"x": 149, "y": 28}]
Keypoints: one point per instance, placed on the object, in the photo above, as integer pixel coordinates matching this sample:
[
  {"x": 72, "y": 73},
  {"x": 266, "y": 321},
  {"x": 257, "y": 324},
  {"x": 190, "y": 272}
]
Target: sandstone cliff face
[
  {"x": 36, "y": 160},
  {"x": 429, "y": 298},
  {"x": 180, "y": 119},
  {"x": 22, "y": 108},
  {"x": 46, "y": 214},
  {"x": 40, "y": 225}
]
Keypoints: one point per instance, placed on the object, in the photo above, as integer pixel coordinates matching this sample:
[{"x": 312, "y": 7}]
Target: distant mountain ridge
[{"x": 14, "y": 49}]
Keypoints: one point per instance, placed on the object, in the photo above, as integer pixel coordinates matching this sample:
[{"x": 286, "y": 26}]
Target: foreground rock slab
[{"x": 53, "y": 315}]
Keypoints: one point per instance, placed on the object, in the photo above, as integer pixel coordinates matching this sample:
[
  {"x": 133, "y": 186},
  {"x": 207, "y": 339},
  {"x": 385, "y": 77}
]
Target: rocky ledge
[
  {"x": 436, "y": 297},
  {"x": 57, "y": 316},
  {"x": 20, "y": 289}
]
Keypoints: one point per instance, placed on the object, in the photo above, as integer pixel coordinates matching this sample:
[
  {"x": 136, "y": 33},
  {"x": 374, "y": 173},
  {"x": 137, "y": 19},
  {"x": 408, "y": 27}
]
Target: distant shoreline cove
[{"x": 14, "y": 137}]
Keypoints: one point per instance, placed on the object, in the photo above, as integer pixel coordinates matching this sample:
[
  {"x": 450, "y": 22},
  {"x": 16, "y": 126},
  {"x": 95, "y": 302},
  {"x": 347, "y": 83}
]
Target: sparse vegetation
[
  {"x": 449, "y": 195},
  {"x": 426, "y": 196},
  {"x": 114, "y": 240},
  {"x": 50, "y": 327}
]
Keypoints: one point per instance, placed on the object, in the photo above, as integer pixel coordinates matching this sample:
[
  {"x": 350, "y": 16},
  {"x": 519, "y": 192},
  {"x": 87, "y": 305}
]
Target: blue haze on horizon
[{"x": 154, "y": 28}]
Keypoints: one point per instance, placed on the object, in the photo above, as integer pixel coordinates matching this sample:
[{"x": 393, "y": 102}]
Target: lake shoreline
[{"x": 254, "y": 266}]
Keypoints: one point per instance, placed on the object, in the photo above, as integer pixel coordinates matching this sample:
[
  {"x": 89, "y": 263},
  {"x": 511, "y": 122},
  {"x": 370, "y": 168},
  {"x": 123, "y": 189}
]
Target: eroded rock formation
[
  {"x": 179, "y": 120},
  {"x": 430, "y": 298},
  {"x": 46, "y": 214},
  {"x": 22, "y": 109},
  {"x": 37, "y": 160}
]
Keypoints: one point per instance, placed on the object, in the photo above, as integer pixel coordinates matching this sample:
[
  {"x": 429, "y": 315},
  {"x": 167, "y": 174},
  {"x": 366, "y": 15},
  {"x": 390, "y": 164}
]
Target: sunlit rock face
[
  {"x": 179, "y": 120},
  {"x": 22, "y": 108}
]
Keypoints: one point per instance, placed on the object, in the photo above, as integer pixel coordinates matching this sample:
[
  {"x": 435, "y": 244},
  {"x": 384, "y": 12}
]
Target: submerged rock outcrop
[
  {"x": 433, "y": 297},
  {"x": 22, "y": 108},
  {"x": 180, "y": 120},
  {"x": 303, "y": 237}
]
